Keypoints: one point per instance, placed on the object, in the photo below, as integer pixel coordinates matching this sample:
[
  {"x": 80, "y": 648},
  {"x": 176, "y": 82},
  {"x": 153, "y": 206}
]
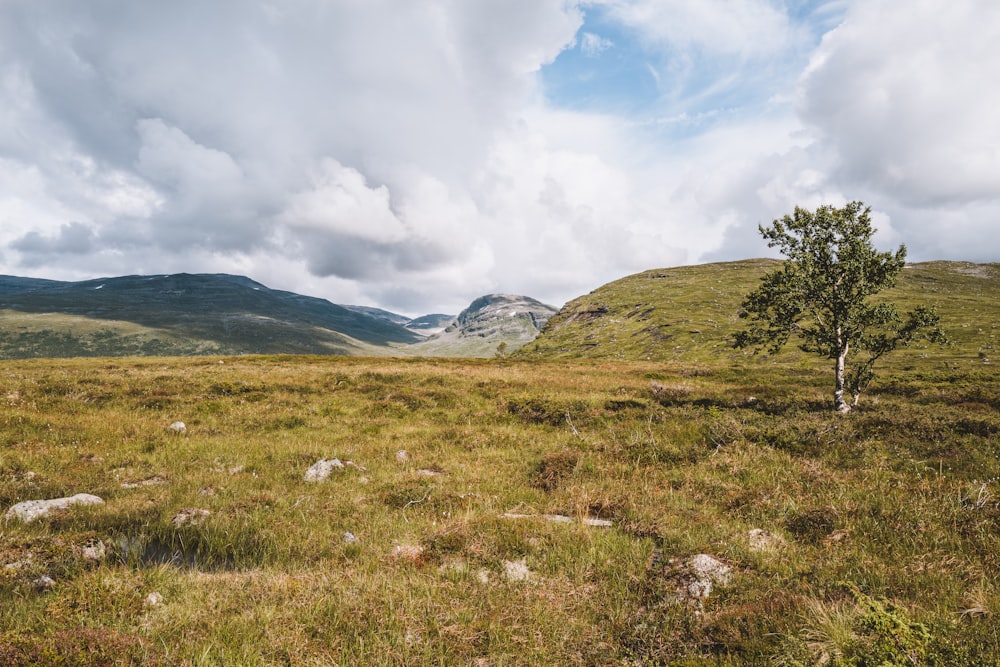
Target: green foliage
[
  {"x": 874, "y": 632},
  {"x": 821, "y": 295}
]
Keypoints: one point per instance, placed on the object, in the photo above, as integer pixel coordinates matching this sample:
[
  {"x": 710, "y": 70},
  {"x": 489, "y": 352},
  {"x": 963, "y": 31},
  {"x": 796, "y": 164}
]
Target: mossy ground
[{"x": 897, "y": 502}]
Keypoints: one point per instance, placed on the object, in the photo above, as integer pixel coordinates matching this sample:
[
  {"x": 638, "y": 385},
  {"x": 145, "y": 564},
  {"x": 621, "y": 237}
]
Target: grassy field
[{"x": 881, "y": 539}]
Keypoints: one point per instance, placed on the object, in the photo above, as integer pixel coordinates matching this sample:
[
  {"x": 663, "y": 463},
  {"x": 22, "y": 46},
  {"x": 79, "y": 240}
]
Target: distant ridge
[
  {"x": 197, "y": 314},
  {"x": 180, "y": 314}
]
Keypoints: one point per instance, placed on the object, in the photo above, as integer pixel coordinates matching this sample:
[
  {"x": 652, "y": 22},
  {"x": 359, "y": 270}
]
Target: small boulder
[
  {"x": 29, "y": 510},
  {"x": 516, "y": 570},
  {"x": 413, "y": 553},
  {"x": 402, "y": 456},
  {"x": 349, "y": 538},
  {"x": 153, "y": 599},
  {"x": 761, "y": 540},
  {"x": 192, "y": 516},
  {"x": 695, "y": 577},
  {"x": 180, "y": 428},
  {"x": 94, "y": 552},
  {"x": 43, "y": 583},
  {"x": 321, "y": 470}
]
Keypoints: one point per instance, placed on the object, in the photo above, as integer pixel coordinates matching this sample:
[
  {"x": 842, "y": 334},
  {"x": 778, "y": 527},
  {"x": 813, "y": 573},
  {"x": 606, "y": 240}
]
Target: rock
[
  {"x": 763, "y": 540},
  {"x": 94, "y": 552},
  {"x": 413, "y": 553},
  {"x": 178, "y": 427},
  {"x": 29, "y": 510},
  {"x": 43, "y": 583},
  {"x": 192, "y": 516},
  {"x": 402, "y": 456},
  {"x": 321, "y": 470},
  {"x": 20, "y": 564},
  {"x": 597, "y": 523},
  {"x": 152, "y": 481},
  {"x": 517, "y": 570},
  {"x": 153, "y": 599},
  {"x": 561, "y": 518},
  {"x": 695, "y": 576},
  {"x": 349, "y": 538}
]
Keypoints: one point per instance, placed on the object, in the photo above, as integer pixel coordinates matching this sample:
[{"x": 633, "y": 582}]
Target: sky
[{"x": 416, "y": 155}]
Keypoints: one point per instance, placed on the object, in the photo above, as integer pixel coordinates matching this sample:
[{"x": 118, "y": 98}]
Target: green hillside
[
  {"x": 179, "y": 315},
  {"x": 689, "y": 314}
]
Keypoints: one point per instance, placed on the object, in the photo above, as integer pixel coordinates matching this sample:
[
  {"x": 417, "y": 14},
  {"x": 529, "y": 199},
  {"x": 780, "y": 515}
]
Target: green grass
[
  {"x": 688, "y": 314},
  {"x": 898, "y": 502}
]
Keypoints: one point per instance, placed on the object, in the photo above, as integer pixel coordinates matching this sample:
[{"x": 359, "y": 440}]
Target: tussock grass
[{"x": 890, "y": 513}]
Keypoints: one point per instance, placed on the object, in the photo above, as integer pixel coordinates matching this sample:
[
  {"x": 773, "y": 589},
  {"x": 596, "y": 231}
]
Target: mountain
[
  {"x": 690, "y": 313},
  {"x": 180, "y": 314},
  {"x": 190, "y": 314},
  {"x": 489, "y": 321},
  {"x": 379, "y": 314},
  {"x": 430, "y": 324},
  {"x": 425, "y": 324}
]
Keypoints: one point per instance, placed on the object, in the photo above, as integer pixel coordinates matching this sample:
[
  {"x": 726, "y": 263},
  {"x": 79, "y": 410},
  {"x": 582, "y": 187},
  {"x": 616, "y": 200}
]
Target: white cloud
[
  {"x": 594, "y": 45},
  {"x": 903, "y": 97},
  {"x": 402, "y": 154},
  {"x": 748, "y": 28}
]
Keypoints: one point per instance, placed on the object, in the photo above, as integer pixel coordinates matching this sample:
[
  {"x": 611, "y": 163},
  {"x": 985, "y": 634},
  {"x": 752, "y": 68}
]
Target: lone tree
[{"x": 821, "y": 294}]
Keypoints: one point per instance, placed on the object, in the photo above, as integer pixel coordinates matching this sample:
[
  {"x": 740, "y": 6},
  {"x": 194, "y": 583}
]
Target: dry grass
[{"x": 899, "y": 500}]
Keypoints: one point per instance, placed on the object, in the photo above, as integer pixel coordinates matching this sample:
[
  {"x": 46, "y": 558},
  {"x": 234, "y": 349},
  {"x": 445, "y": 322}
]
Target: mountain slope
[
  {"x": 490, "y": 320},
  {"x": 690, "y": 313},
  {"x": 181, "y": 314}
]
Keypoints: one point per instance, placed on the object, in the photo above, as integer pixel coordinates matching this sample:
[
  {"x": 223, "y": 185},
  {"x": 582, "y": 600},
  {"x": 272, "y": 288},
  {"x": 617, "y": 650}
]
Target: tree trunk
[{"x": 839, "y": 404}]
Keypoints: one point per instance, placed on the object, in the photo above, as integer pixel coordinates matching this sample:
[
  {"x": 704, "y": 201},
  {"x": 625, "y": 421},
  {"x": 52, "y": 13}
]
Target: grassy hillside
[
  {"x": 179, "y": 315},
  {"x": 689, "y": 313},
  {"x": 873, "y": 537}
]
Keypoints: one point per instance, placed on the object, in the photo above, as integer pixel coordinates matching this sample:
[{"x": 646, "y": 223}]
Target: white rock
[
  {"x": 153, "y": 599},
  {"x": 402, "y": 456},
  {"x": 178, "y": 427},
  {"x": 597, "y": 523},
  {"x": 349, "y": 538},
  {"x": 408, "y": 552},
  {"x": 707, "y": 571},
  {"x": 516, "y": 570},
  {"x": 94, "y": 552},
  {"x": 29, "y": 510},
  {"x": 710, "y": 567},
  {"x": 321, "y": 470},
  {"x": 762, "y": 540},
  {"x": 190, "y": 517},
  {"x": 43, "y": 583},
  {"x": 560, "y": 518}
]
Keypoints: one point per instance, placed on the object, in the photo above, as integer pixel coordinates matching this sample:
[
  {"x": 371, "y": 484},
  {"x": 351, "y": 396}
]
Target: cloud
[
  {"x": 594, "y": 45},
  {"x": 409, "y": 155},
  {"x": 902, "y": 98},
  {"x": 747, "y": 28},
  {"x": 73, "y": 238}
]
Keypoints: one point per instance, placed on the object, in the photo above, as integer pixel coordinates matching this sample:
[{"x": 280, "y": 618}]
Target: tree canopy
[{"x": 821, "y": 295}]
